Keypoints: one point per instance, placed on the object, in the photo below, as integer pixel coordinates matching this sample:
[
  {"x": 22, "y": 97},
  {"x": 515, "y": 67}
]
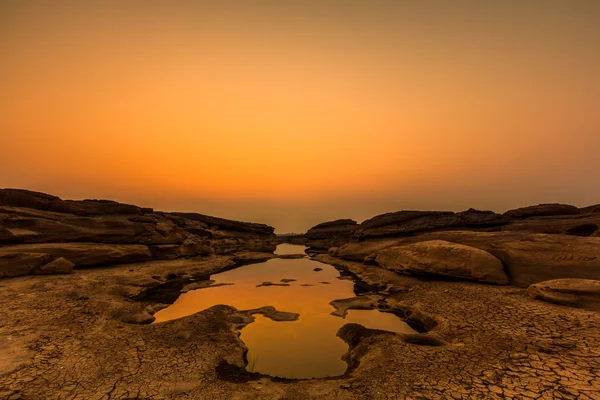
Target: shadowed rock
[
  {"x": 582, "y": 293},
  {"x": 85, "y": 254},
  {"x": 15, "y": 263},
  {"x": 57, "y": 266},
  {"x": 543, "y": 210}
]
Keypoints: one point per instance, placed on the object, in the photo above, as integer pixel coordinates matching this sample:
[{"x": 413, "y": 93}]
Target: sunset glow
[{"x": 327, "y": 111}]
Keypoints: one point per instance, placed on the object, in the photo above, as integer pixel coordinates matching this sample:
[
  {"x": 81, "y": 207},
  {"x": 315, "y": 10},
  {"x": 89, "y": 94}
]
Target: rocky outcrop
[
  {"x": 46, "y": 202},
  {"x": 542, "y": 210},
  {"x": 595, "y": 209},
  {"x": 581, "y": 293},
  {"x": 441, "y": 258},
  {"x": 575, "y": 224},
  {"x": 329, "y": 234},
  {"x": 85, "y": 254},
  {"x": 527, "y": 258},
  {"x": 411, "y": 222},
  {"x": 21, "y": 263},
  {"x": 38, "y": 226},
  {"x": 226, "y": 224},
  {"x": 102, "y": 232}
]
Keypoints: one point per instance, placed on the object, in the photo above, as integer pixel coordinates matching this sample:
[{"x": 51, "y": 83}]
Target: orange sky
[{"x": 292, "y": 113}]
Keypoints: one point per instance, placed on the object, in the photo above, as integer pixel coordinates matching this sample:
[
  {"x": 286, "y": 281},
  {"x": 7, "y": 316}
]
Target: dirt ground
[{"x": 62, "y": 337}]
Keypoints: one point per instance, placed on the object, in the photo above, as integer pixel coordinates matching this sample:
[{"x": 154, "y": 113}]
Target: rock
[
  {"x": 582, "y": 230},
  {"x": 57, "y": 266},
  {"x": 441, "y": 258},
  {"x": 330, "y": 234},
  {"x": 325, "y": 230},
  {"x": 595, "y": 209},
  {"x": 165, "y": 251},
  {"x": 46, "y": 202},
  {"x": 272, "y": 284},
  {"x": 582, "y": 293},
  {"x": 575, "y": 224},
  {"x": 195, "y": 245},
  {"x": 85, "y": 254},
  {"x": 287, "y": 280},
  {"x": 16, "y": 263},
  {"x": 318, "y": 269},
  {"x": 271, "y": 313},
  {"x": 542, "y": 210},
  {"x": 38, "y": 226},
  {"x": 354, "y": 303},
  {"x": 409, "y": 222},
  {"x": 6, "y": 236},
  {"x": 138, "y": 318},
  {"x": 528, "y": 258},
  {"x": 360, "y": 251},
  {"x": 228, "y": 225}
]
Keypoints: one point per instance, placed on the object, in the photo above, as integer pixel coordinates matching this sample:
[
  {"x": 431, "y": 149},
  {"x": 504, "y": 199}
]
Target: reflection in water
[
  {"x": 285, "y": 248},
  {"x": 305, "y": 348}
]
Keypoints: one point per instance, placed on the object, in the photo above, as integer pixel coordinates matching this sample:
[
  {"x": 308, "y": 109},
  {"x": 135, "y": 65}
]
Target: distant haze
[{"x": 294, "y": 113}]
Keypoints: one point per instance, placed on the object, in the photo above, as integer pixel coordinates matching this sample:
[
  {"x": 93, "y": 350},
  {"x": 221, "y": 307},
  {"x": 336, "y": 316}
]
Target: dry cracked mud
[{"x": 63, "y": 338}]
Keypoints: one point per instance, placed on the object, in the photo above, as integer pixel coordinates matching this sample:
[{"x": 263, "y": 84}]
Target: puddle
[
  {"x": 306, "y": 348},
  {"x": 286, "y": 248}
]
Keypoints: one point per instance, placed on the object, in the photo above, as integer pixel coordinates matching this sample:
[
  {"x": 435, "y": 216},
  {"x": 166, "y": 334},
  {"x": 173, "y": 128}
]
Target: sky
[{"x": 293, "y": 113}]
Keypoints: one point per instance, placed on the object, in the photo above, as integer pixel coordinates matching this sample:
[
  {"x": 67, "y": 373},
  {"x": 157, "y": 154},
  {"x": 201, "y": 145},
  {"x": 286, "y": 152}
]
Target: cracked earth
[{"x": 63, "y": 338}]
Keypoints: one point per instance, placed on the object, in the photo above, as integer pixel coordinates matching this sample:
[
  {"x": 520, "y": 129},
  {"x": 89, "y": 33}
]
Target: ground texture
[{"x": 63, "y": 337}]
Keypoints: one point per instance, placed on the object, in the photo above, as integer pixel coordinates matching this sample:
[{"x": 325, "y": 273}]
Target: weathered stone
[
  {"x": 46, "y": 202},
  {"x": 15, "y": 263},
  {"x": 138, "y": 318},
  {"x": 57, "y": 266},
  {"x": 542, "y": 210},
  {"x": 582, "y": 293},
  {"x": 528, "y": 258},
  {"x": 85, "y": 254},
  {"x": 410, "y": 222},
  {"x": 441, "y": 258}
]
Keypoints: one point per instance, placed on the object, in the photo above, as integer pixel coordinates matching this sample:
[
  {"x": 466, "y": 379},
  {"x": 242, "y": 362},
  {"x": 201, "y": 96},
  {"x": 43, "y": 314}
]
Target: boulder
[
  {"x": 441, "y": 258},
  {"x": 582, "y": 293},
  {"x": 57, "y": 266},
  {"x": 83, "y": 254},
  {"x": 542, "y": 210},
  {"x": 16, "y": 263}
]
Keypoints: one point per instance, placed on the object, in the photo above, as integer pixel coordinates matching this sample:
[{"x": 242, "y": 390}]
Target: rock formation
[
  {"x": 582, "y": 293},
  {"x": 330, "y": 234},
  {"x": 41, "y": 233},
  {"x": 534, "y": 244},
  {"x": 441, "y": 258}
]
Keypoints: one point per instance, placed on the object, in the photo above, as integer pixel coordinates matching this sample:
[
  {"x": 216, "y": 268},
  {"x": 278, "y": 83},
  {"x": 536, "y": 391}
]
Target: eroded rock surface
[
  {"x": 441, "y": 258},
  {"x": 583, "y": 293},
  {"x": 101, "y": 232},
  {"x": 542, "y": 210}
]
